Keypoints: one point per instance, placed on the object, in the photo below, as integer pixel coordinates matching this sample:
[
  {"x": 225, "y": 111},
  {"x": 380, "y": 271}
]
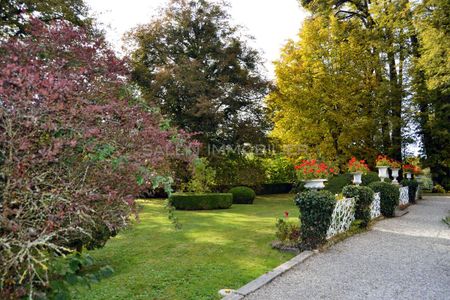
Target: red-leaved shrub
[{"x": 76, "y": 146}]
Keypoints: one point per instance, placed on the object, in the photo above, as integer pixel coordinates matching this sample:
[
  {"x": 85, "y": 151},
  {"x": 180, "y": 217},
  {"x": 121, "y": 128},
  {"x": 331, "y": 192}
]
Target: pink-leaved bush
[{"x": 76, "y": 147}]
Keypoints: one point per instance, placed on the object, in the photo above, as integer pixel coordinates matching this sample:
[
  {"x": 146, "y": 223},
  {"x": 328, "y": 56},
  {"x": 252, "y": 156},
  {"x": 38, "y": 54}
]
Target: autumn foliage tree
[
  {"x": 324, "y": 92},
  {"x": 15, "y": 14},
  {"x": 368, "y": 77},
  {"x": 76, "y": 146}
]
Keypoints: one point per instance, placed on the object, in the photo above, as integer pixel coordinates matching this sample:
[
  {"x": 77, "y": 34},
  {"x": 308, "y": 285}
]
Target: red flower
[{"x": 286, "y": 214}]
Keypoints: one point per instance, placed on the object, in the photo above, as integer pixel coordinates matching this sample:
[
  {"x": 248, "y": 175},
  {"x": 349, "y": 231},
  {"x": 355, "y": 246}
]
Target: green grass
[{"x": 215, "y": 249}]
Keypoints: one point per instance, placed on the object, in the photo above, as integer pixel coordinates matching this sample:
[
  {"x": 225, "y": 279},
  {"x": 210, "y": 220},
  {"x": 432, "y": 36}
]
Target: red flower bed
[
  {"x": 412, "y": 169},
  {"x": 383, "y": 161},
  {"x": 313, "y": 169},
  {"x": 355, "y": 165}
]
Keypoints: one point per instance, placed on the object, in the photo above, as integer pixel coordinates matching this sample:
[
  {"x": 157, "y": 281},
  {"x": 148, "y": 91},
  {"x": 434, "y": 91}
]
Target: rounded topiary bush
[
  {"x": 193, "y": 201},
  {"x": 242, "y": 195},
  {"x": 316, "y": 209},
  {"x": 336, "y": 183},
  {"x": 364, "y": 197},
  {"x": 369, "y": 178},
  {"x": 389, "y": 196}
]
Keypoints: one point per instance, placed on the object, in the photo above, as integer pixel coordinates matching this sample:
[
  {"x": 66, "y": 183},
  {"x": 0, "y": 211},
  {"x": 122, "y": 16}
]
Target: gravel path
[{"x": 401, "y": 258}]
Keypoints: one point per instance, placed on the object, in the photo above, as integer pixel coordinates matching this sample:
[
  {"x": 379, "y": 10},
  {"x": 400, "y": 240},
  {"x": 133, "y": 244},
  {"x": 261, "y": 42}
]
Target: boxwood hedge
[
  {"x": 389, "y": 196},
  {"x": 336, "y": 183},
  {"x": 200, "y": 201},
  {"x": 364, "y": 197},
  {"x": 274, "y": 188},
  {"x": 369, "y": 178},
  {"x": 242, "y": 195},
  {"x": 412, "y": 185},
  {"x": 316, "y": 209}
]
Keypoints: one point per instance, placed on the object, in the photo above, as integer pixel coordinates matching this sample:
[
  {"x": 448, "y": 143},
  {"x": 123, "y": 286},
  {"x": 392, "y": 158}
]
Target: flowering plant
[
  {"x": 408, "y": 168},
  {"x": 417, "y": 170},
  {"x": 383, "y": 161},
  {"x": 355, "y": 165},
  {"x": 395, "y": 164},
  {"x": 287, "y": 233},
  {"x": 312, "y": 169}
]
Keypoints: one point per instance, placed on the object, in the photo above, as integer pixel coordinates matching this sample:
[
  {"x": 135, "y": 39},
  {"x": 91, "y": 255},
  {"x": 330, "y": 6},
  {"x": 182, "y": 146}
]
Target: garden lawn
[{"x": 214, "y": 249}]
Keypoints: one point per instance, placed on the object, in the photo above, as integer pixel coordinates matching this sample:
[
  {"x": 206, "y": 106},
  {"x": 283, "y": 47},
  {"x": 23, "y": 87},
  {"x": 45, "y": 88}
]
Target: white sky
[{"x": 270, "y": 22}]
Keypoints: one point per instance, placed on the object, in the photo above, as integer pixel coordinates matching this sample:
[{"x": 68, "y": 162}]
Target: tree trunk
[{"x": 396, "y": 108}]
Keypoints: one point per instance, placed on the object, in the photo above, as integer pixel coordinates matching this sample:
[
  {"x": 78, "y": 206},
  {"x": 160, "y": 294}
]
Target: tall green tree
[
  {"x": 202, "y": 73},
  {"x": 432, "y": 65},
  {"x": 14, "y": 14},
  {"x": 410, "y": 41}
]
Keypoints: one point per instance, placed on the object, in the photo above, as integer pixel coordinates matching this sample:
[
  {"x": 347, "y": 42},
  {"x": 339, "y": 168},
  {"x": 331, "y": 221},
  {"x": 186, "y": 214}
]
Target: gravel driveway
[{"x": 401, "y": 258}]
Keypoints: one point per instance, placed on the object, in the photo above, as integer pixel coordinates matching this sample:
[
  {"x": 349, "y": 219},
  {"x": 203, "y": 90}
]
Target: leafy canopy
[
  {"x": 205, "y": 77},
  {"x": 323, "y": 92}
]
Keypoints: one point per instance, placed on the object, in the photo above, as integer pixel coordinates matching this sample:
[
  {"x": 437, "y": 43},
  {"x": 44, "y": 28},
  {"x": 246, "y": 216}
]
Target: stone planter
[
  {"x": 315, "y": 184},
  {"x": 383, "y": 172},
  {"x": 395, "y": 175},
  {"x": 408, "y": 175},
  {"x": 357, "y": 178}
]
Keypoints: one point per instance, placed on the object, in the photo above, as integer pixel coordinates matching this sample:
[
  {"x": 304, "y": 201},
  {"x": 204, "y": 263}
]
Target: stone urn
[
  {"x": 315, "y": 184},
  {"x": 395, "y": 175},
  {"x": 357, "y": 178},
  {"x": 383, "y": 172},
  {"x": 408, "y": 175}
]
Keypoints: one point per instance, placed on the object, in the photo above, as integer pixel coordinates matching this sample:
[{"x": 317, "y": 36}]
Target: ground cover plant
[
  {"x": 287, "y": 232},
  {"x": 212, "y": 251}
]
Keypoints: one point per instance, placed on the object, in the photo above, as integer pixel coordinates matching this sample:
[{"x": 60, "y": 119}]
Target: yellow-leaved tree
[{"x": 325, "y": 99}]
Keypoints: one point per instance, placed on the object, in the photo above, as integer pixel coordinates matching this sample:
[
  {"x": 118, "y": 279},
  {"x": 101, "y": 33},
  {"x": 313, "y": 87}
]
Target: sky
[{"x": 270, "y": 22}]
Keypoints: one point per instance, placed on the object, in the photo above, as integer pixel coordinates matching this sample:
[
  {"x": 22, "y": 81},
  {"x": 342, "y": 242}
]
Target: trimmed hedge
[
  {"x": 389, "y": 196},
  {"x": 242, "y": 195},
  {"x": 263, "y": 189},
  {"x": 336, "y": 183},
  {"x": 274, "y": 188},
  {"x": 193, "y": 201},
  {"x": 316, "y": 209},
  {"x": 369, "y": 178},
  {"x": 364, "y": 197},
  {"x": 412, "y": 185}
]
